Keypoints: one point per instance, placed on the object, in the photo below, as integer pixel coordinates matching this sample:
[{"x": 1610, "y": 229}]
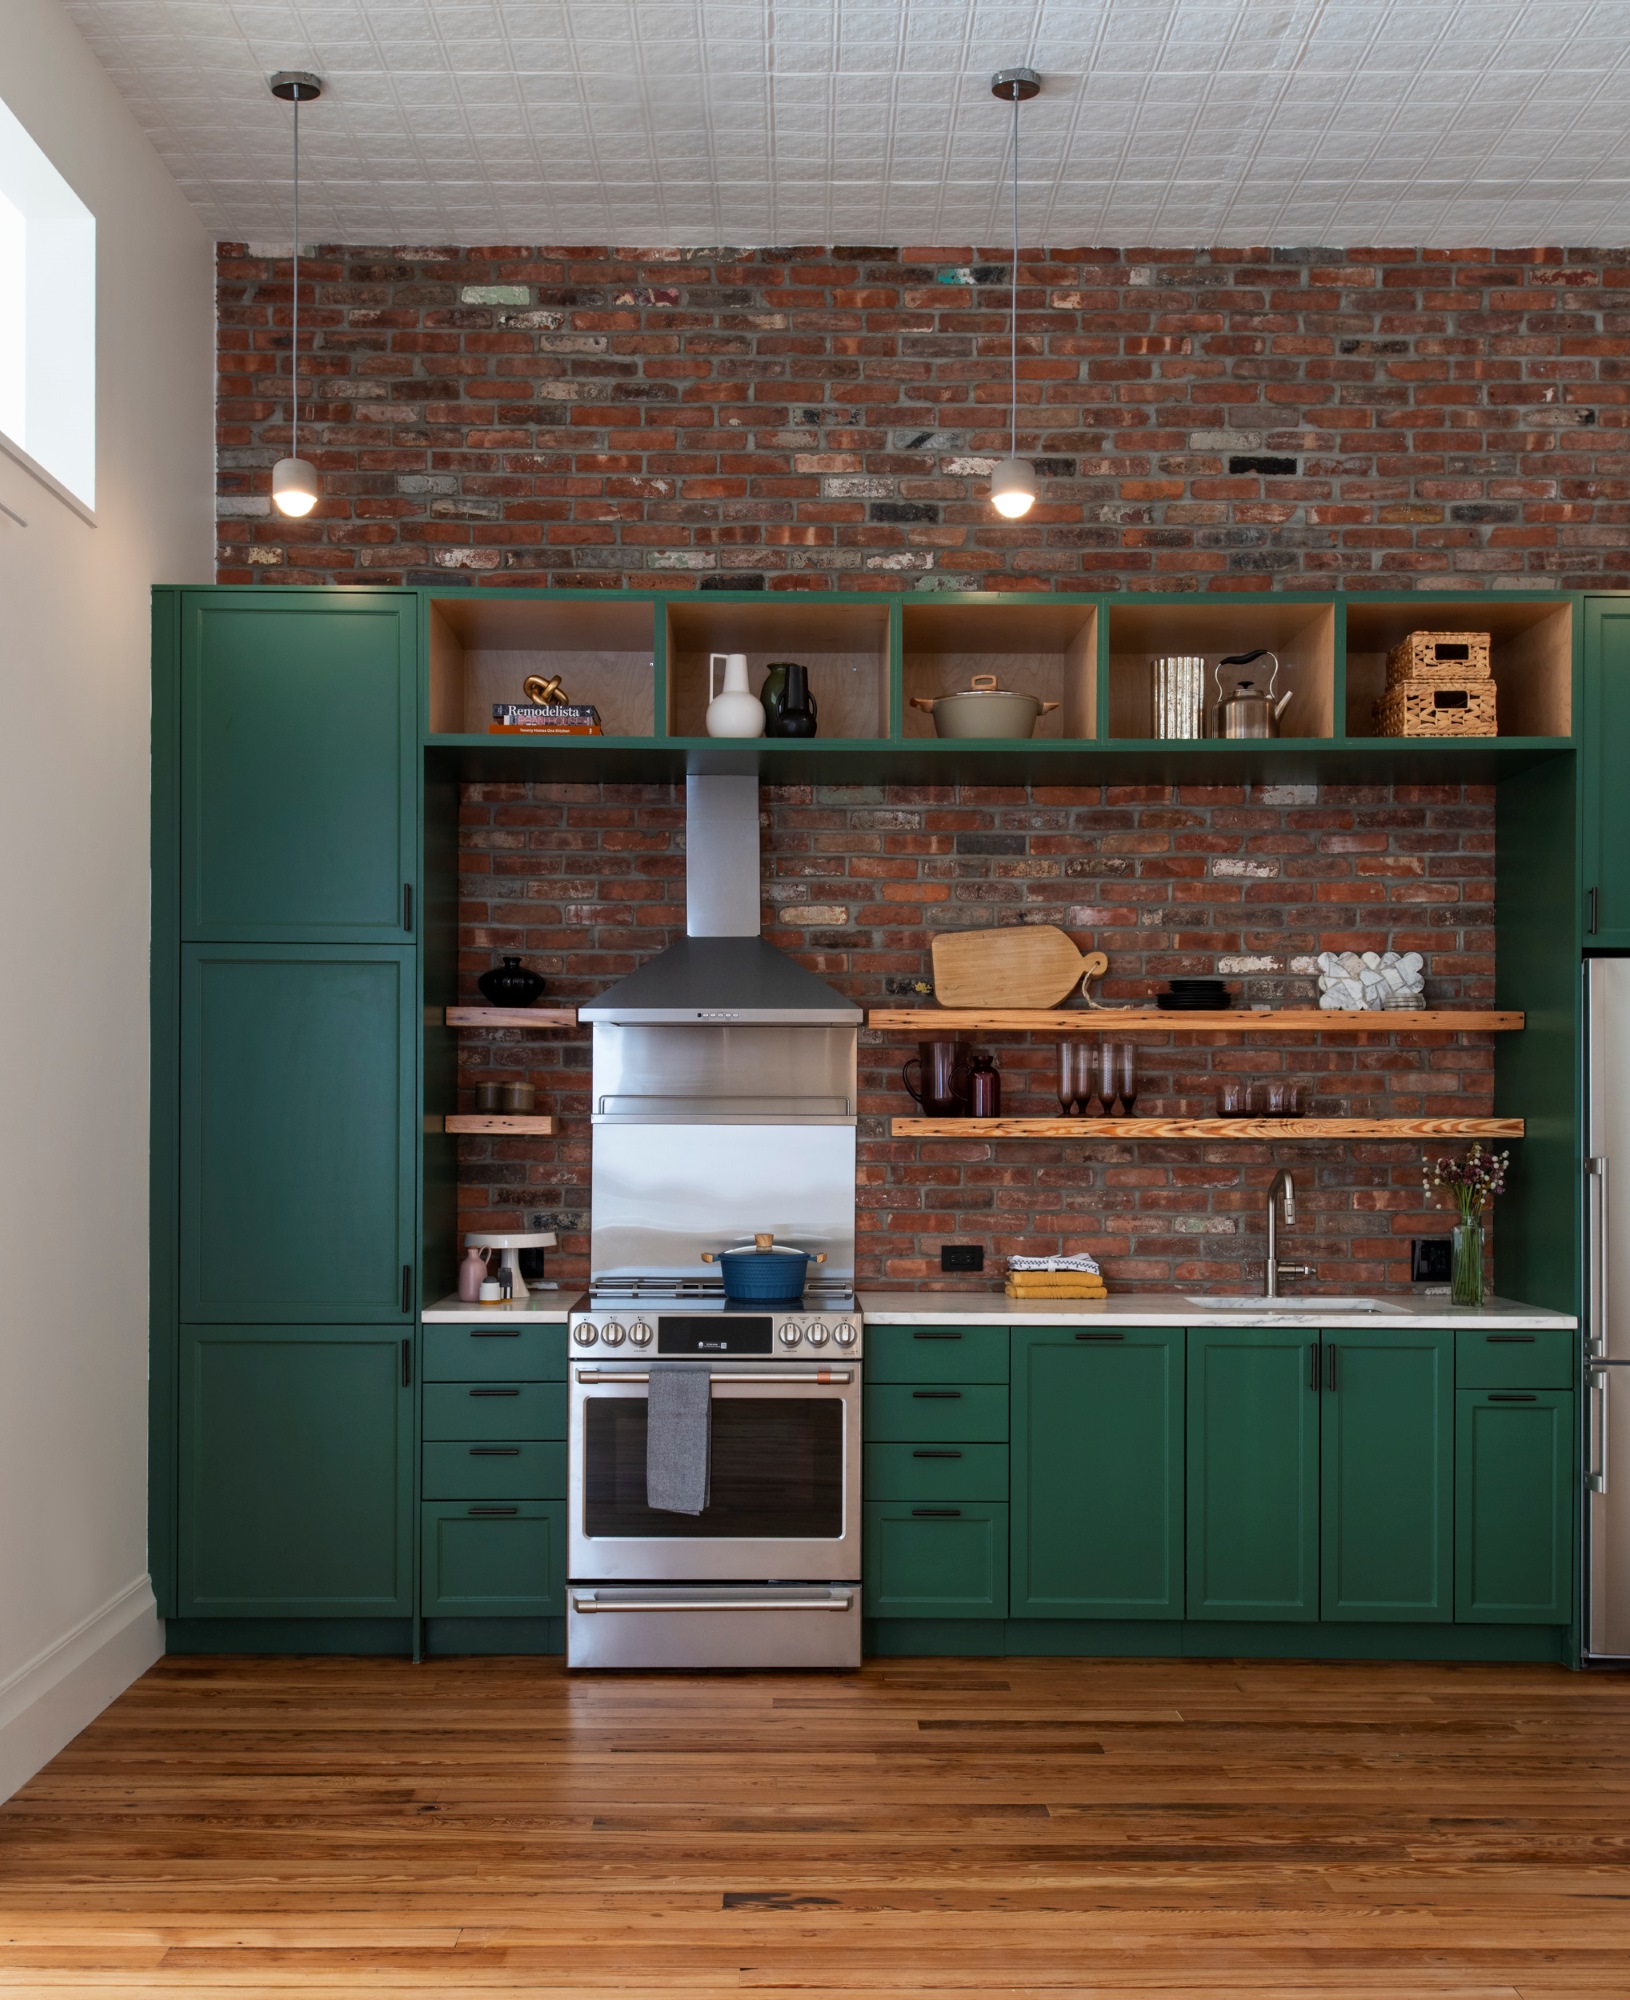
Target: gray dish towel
[{"x": 679, "y": 1437}]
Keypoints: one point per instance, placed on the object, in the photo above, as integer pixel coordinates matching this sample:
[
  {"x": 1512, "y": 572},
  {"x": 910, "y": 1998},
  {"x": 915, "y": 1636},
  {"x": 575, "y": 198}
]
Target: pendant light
[
  {"x": 1013, "y": 482},
  {"x": 294, "y": 479}
]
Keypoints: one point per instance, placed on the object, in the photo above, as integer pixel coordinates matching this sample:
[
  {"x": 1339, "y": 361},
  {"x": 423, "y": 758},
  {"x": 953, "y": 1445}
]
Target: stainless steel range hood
[{"x": 722, "y": 971}]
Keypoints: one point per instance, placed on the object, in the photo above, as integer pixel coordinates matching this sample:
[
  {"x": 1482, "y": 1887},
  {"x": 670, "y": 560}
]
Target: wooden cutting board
[{"x": 1029, "y": 965}]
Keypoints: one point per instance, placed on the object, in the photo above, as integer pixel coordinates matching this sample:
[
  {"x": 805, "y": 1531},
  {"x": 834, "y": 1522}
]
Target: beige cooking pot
[{"x": 984, "y": 709}]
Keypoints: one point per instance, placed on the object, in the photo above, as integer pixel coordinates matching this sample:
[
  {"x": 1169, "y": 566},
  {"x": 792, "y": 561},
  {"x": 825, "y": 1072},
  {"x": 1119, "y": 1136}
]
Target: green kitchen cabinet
[
  {"x": 935, "y": 1559},
  {"x": 929, "y": 1354},
  {"x": 299, "y": 765},
  {"x": 494, "y": 1411},
  {"x": 1604, "y": 738},
  {"x": 1097, "y": 1500},
  {"x": 901, "y": 1413},
  {"x": 1514, "y": 1506},
  {"x": 490, "y": 1559},
  {"x": 1252, "y": 1489},
  {"x": 1386, "y": 1476},
  {"x": 298, "y": 1140},
  {"x": 296, "y": 1472}
]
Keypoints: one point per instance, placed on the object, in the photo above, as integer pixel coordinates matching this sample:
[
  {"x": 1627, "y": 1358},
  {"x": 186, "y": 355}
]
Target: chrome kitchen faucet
[{"x": 1276, "y": 1270}]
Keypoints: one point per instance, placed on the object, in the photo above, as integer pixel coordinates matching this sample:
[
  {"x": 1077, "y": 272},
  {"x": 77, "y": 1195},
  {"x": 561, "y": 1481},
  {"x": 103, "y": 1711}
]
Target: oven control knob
[
  {"x": 612, "y": 1333},
  {"x": 640, "y": 1333},
  {"x": 583, "y": 1335},
  {"x": 844, "y": 1334},
  {"x": 817, "y": 1335},
  {"x": 792, "y": 1333}
]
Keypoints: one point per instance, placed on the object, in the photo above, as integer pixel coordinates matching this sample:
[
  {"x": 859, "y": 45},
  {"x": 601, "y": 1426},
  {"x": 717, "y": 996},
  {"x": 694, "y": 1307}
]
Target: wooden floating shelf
[
  {"x": 1205, "y": 1128},
  {"x": 533, "y": 1125},
  {"x": 1193, "y": 1021},
  {"x": 512, "y": 1017}
]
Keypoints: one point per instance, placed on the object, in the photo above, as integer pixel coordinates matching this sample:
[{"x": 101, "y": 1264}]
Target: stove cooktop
[{"x": 706, "y": 1295}]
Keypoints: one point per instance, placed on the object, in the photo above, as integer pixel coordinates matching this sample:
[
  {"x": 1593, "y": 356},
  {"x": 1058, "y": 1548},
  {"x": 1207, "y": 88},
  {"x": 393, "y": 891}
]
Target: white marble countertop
[
  {"x": 995, "y": 1308},
  {"x": 541, "y": 1305}
]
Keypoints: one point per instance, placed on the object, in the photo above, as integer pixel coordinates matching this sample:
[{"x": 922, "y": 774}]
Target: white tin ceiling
[{"x": 698, "y": 122}]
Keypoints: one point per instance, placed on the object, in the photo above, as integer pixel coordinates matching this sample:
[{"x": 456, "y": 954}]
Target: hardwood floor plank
[{"x": 1071, "y": 1830}]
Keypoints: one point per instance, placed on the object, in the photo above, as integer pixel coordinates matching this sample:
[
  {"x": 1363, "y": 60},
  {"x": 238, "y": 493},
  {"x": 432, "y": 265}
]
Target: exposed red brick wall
[
  {"x": 588, "y": 880},
  {"x": 807, "y": 418}
]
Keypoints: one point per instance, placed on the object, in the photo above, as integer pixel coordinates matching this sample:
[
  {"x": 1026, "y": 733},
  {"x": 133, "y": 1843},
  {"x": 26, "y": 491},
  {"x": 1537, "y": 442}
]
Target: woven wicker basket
[
  {"x": 1429, "y": 708},
  {"x": 1453, "y": 658}
]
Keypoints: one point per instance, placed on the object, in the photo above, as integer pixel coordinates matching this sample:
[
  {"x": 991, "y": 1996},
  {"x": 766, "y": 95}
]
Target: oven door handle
[
  {"x": 824, "y": 1376},
  {"x": 590, "y": 1600}
]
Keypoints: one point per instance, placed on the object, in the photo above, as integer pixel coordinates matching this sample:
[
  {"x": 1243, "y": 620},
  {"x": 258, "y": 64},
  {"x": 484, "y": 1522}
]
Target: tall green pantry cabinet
[{"x": 286, "y": 807}]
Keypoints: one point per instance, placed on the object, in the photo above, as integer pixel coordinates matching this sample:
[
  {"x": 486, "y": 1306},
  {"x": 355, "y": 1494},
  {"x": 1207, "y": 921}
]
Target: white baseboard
[{"x": 49, "y": 1699}]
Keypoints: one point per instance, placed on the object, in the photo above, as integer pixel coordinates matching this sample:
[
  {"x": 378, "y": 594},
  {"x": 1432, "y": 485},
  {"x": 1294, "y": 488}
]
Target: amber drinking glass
[
  {"x": 1074, "y": 1078},
  {"x": 1125, "y": 1066}
]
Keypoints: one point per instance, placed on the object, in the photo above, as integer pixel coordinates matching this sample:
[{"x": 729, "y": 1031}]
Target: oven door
[{"x": 784, "y": 1501}]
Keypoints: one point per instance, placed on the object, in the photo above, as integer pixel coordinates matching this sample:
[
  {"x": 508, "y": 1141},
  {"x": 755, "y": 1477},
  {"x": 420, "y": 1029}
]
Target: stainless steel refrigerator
[{"x": 1607, "y": 1310}]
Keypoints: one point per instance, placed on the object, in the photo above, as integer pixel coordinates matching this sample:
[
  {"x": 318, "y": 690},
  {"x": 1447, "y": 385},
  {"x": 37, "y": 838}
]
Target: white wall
[{"x": 77, "y": 1621}]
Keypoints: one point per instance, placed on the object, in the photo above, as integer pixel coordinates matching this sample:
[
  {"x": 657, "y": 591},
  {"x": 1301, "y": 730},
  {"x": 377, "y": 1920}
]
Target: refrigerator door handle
[
  {"x": 1598, "y": 1374},
  {"x": 1596, "y": 1168}
]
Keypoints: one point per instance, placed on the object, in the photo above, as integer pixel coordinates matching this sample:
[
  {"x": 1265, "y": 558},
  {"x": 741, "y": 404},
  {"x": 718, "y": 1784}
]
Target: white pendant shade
[
  {"x": 294, "y": 486},
  {"x": 1013, "y": 488}
]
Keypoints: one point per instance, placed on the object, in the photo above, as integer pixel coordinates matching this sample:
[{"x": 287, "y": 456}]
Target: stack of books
[
  {"x": 1179, "y": 696},
  {"x": 543, "y": 718}
]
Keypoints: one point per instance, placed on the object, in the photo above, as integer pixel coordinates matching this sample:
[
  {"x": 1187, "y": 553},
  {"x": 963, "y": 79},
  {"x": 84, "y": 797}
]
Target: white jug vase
[{"x": 737, "y": 711}]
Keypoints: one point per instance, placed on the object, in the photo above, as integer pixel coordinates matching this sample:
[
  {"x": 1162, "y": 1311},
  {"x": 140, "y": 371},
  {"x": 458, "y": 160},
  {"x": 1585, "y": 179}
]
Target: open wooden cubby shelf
[
  {"x": 1530, "y": 655},
  {"x": 1303, "y": 635},
  {"x": 482, "y": 649},
  {"x": 844, "y": 646},
  {"x": 1047, "y": 649}
]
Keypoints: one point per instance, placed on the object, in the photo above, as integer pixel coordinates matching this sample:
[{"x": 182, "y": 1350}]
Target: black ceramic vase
[
  {"x": 511, "y": 985},
  {"x": 795, "y": 714}
]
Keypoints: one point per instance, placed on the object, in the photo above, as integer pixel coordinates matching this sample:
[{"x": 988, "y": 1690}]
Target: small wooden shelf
[
  {"x": 1205, "y": 1128},
  {"x": 1115, "y": 1021},
  {"x": 511, "y": 1017},
  {"x": 518, "y": 1124}
]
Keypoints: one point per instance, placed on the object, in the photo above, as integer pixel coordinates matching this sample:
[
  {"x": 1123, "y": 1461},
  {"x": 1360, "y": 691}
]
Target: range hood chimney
[{"x": 723, "y": 971}]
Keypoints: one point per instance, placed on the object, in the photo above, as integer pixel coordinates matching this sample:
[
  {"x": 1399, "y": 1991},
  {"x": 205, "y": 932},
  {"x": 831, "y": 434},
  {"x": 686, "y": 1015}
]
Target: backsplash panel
[{"x": 1250, "y": 883}]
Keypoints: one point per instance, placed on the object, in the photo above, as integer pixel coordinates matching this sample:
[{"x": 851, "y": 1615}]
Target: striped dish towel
[{"x": 1081, "y": 1260}]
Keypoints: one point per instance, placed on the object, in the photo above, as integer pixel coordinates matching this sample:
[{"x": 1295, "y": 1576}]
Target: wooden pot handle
[
  {"x": 1047, "y": 707},
  {"x": 922, "y": 701}
]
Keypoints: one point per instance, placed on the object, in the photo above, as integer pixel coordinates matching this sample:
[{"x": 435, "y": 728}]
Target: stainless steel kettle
[{"x": 1246, "y": 712}]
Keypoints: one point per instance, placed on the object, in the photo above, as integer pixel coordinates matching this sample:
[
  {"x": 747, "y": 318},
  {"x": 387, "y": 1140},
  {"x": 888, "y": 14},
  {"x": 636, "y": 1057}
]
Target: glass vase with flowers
[{"x": 1471, "y": 1182}]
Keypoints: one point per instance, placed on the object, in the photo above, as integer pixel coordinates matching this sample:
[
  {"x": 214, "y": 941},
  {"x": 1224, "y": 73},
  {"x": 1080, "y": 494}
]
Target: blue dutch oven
[{"x": 768, "y": 1274}]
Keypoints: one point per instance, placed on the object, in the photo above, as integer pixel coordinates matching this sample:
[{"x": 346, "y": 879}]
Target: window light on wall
[{"x": 47, "y": 317}]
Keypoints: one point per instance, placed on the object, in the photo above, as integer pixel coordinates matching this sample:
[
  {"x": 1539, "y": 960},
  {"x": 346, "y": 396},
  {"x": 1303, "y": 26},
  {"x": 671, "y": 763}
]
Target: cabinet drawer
[
  {"x": 495, "y": 1353},
  {"x": 1541, "y": 1359},
  {"x": 500, "y": 1410},
  {"x": 468, "y": 1471},
  {"x": 935, "y": 1472},
  {"x": 491, "y": 1559},
  {"x": 936, "y": 1353},
  {"x": 935, "y": 1561},
  {"x": 898, "y": 1414}
]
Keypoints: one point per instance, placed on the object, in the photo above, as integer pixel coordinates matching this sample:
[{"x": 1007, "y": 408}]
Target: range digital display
[{"x": 697, "y": 1333}]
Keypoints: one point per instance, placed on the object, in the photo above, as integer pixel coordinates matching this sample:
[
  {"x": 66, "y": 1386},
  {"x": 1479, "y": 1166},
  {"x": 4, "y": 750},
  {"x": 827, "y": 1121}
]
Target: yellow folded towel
[{"x": 1061, "y": 1287}]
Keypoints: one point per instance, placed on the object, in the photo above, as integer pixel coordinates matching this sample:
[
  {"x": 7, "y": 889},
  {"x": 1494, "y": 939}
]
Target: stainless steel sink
[{"x": 1255, "y": 1303}]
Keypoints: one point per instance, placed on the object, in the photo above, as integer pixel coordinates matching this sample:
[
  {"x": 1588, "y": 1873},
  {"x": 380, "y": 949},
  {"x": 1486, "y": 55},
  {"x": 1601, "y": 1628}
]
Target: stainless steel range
[{"x": 724, "y": 1108}]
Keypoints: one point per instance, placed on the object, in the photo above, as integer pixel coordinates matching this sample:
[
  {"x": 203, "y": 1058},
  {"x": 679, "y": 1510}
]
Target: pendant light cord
[
  {"x": 1013, "y": 343},
  {"x": 294, "y": 352}
]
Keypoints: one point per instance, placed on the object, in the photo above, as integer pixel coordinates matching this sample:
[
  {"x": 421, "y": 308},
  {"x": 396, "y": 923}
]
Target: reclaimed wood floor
[{"x": 1121, "y": 1829}]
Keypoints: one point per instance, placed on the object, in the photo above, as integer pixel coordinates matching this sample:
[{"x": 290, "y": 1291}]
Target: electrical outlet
[
  {"x": 1430, "y": 1260},
  {"x": 962, "y": 1256}
]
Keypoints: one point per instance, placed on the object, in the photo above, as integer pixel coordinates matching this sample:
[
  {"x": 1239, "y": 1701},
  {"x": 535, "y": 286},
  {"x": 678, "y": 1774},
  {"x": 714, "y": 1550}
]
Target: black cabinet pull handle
[
  {"x": 495, "y": 1392},
  {"x": 495, "y": 1451},
  {"x": 1331, "y": 1369},
  {"x": 1511, "y": 1399},
  {"x": 1313, "y": 1360},
  {"x": 1590, "y": 901},
  {"x": 495, "y": 1333},
  {"x": 936, "y": 1454},
  {"x": 1517, "y": 1339},
  {"x": 492, "y": 1510},
  {"x": 937, "y": 1395},
  {"x": 936, "y": 1333},
  {"x": 936, "y": 1513},
  {"x": 407, "y": 1364},
  {"x": 1083, "y": 1333},
  {"x": 407, "y": 1288},
  {"x": 407, "y": 908}
]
